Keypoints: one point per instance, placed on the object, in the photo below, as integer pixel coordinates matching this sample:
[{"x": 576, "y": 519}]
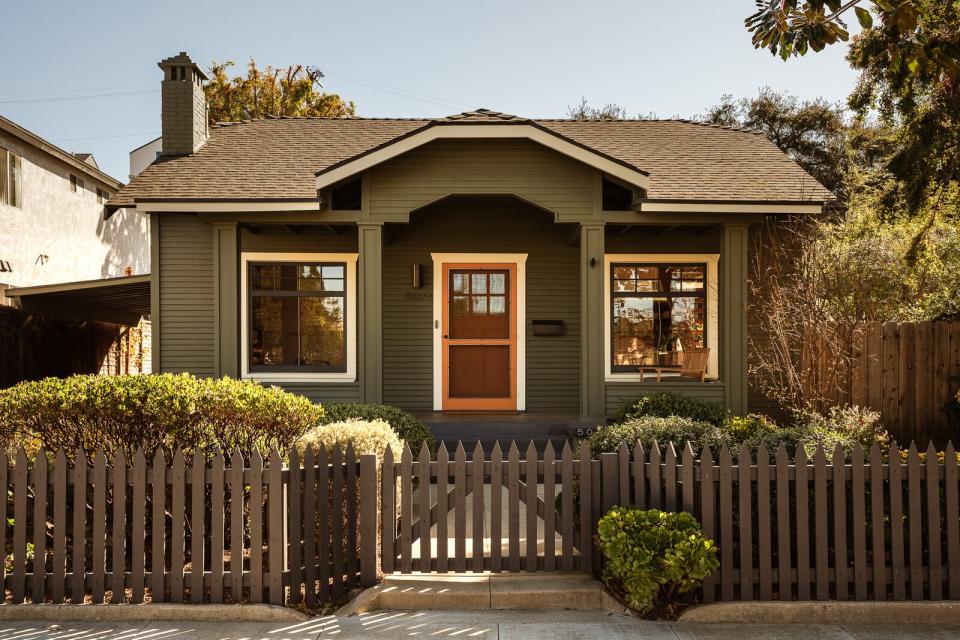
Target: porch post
[
  {"x": 592, "y": 386},
  {"x": 733, "y": 315},
  {"x": 226, "y": 284},
  {"x": 370, "y": 302}
]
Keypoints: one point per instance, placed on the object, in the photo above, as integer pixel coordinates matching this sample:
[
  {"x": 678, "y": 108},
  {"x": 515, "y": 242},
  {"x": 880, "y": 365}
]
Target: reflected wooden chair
[{"x": 693, "y": 364}]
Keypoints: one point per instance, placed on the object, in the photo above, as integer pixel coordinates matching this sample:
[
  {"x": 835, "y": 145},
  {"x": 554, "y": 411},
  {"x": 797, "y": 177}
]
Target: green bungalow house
[{"x": 477, "y": 262}]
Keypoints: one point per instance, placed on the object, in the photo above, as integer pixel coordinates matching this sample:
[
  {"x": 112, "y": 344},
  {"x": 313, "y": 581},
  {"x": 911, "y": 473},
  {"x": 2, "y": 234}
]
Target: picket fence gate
[{"x": 871, "y": 525}]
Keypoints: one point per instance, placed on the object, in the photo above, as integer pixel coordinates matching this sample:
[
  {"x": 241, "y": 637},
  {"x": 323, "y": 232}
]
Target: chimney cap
[{"x": 182, "y": 59}]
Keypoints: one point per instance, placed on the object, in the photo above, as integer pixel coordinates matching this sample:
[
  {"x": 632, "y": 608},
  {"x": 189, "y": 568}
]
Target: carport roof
[{"x": 122, "y": 300}]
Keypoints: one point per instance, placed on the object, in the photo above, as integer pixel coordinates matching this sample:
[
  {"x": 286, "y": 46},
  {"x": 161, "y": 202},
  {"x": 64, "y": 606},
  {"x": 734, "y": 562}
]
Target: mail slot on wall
[{"x": 547, "y": 327}]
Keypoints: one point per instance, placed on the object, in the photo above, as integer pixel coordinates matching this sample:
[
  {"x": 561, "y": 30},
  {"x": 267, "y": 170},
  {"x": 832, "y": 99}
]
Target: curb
[
  {"x": 150, "y": 612},
  {"x": 832, "y": 612}
]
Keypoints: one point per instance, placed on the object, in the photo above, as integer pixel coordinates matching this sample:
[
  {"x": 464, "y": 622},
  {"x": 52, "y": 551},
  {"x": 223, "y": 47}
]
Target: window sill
[
  {"x": 666, "y": 378},
  {"x": 280, "y": 378}
]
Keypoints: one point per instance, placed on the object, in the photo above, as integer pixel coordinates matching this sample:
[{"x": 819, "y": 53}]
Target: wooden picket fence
[
  {"x": 867, "y": 526},
  {"x": 237, "y": 529},
  {"x": 863, "y": 526}
]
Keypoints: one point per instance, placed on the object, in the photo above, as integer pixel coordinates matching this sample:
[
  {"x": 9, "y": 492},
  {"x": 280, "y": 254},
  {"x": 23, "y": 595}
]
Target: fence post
[
  {"x": 611, "y": 484},
  {"x": 369, "y": 507}
]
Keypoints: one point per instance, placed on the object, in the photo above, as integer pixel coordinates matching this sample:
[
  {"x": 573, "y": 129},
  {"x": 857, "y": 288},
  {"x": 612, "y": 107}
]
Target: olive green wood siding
[
  {"x": 482, "y": 225},
  {"x": 641, "y": 239},
  {"x": 187, "y": 315},
  {"x": 523, "y": 168},
  {"x": 317, "y": 240}
]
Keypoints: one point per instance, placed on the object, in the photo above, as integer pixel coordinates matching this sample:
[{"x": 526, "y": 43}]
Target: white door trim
[{"x": 518, "y": 259}]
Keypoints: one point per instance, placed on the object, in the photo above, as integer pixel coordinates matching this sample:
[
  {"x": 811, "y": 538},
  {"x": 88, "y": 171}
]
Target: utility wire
[
  {"x": 119, "y": 135},
  {"x": 90, "y": 97},
  {"x": 403, "y": 93},
  {"x": 69, "y": 91}
]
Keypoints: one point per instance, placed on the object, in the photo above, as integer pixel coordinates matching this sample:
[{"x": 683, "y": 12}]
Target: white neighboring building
[
  {"x": 53, "y": 225},
  {"x": 144, "y": 155}
]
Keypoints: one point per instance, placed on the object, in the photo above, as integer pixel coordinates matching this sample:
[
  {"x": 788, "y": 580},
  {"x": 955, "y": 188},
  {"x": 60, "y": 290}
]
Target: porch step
[{"x": 577, "y": 591}]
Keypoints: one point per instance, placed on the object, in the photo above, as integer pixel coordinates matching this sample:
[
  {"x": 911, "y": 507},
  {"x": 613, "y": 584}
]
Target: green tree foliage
[
  {"x": 654, "y": 556},
  {"x": 908, "y": 55},
  {"x": 289, "y": 91}
]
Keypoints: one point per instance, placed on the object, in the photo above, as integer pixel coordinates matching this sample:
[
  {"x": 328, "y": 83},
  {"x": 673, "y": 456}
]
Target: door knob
[{"x": 445, "y": 336}]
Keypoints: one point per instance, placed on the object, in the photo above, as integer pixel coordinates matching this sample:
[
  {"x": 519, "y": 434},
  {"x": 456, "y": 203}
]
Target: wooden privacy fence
[
  {"x": 864, "y": 526},
  {"x": 909, "y": 372},
  {"x": 225, "y": 530}
]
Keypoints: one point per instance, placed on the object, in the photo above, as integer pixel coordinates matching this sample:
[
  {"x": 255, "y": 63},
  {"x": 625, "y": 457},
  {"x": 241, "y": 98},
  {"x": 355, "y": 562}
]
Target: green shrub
[
  {"x": 845, "y": 425},
  {"x": 646, "y": 429},
  {"x": 654, "y": 556},
  {"x": 745, "y": 428},
  {"x": 124, "y": 413},
  {"x": 366, "y": 436},
  {"x": 668, "y": 403},
  {"x": 405, "y": 424}
]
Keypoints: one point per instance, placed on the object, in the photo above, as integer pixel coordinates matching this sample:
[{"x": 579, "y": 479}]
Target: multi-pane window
[
  {"x": 297, "y": 316},
  {"x": 11, "y": 191},
  {"x": 102, "y": 196},
  {"x": 76, "y": 184},
  {"x": 658, "y": 311}
]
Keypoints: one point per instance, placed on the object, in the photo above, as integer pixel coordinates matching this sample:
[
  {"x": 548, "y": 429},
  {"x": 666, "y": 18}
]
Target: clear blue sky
[{"x": 396, "y": 58}]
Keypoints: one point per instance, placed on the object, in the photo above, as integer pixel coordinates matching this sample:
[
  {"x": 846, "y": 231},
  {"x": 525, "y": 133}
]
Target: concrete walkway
[{"x": 486, "y": 625}]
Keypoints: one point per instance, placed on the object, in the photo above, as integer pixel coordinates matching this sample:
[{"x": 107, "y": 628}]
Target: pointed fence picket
[
  {"x": 306, "y": 527},
  {"x": 125, "y": 530}
]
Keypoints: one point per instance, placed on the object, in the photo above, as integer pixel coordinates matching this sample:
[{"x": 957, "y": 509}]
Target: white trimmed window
[
  {"x": 656, "y": 306},
  {"x": 298, "y": 317}
]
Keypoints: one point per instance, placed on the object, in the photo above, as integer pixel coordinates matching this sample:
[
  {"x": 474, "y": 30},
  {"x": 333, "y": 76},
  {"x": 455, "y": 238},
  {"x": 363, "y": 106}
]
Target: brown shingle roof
[{"x": 276, "y": 159}]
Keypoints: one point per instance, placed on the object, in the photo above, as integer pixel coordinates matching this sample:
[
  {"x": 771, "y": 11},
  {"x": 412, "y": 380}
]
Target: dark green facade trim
[
  {"x": 733, "y": 315},
  {"x": 226, "y": 287},
  {"x": 370, "y": 311},
  {"x": 592, "y": 385}
]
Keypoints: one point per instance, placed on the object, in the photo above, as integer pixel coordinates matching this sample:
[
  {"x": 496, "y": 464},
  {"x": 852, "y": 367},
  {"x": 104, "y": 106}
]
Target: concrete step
[{"x": 577, "y": 591}]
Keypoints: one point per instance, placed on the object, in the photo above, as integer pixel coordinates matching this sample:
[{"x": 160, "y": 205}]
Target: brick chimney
[{"x": 184, "y": 106}]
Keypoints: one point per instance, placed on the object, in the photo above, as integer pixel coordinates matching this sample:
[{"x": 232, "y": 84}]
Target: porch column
[
  {"x": 370, "y": 302},
  {"x": 733, "y": 315},
  {"x": 592, "y": 385},
  {"x": 226, "y": 288}
]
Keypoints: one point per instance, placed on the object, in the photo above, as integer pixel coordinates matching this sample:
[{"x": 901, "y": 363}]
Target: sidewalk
[{"x": 485, "y": 625}]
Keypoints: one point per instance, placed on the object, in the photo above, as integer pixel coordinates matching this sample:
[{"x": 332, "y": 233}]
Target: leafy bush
[
  {"x": 745, "y": 428},
  {"x": 124, "y": 413},
  {"x": 654, "y": 556},
  {"x": 366, "y": 436},
  {"x": 668, "y": 403},
  {"x": 646, "y": 429},
  {"x": 405, "y": 424},
  {"x": 846, "y": 425}
]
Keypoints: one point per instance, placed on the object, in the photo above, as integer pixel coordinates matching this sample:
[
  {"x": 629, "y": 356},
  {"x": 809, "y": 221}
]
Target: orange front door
[{"x": 479, "y": 337}]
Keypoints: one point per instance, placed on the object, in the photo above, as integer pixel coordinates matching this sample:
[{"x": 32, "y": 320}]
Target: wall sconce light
[
  {"x": 417, "y": 276},
  {"x": 593, "y": 262}
]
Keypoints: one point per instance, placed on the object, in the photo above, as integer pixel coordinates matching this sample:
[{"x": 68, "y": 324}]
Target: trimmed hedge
[
  {"x": 668, "y": 403},
  {"x": 405, "y": 424},
  {"x": 125, "y": 413}
]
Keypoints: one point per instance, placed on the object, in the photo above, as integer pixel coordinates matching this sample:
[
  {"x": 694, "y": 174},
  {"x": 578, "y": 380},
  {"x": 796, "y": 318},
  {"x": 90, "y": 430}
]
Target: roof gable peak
[{"x": 482, "y": 115}]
